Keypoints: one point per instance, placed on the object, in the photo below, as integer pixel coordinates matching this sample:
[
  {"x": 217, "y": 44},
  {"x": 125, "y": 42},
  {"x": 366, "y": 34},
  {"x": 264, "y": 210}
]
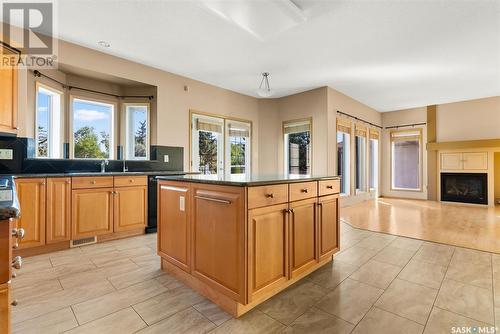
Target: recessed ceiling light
[{"x": 104, "y": 44}]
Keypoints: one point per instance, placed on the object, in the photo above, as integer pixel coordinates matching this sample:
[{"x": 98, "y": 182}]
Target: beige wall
[
  {"x": 469, "y": 120},
  {"x": 395, "y": 118}
]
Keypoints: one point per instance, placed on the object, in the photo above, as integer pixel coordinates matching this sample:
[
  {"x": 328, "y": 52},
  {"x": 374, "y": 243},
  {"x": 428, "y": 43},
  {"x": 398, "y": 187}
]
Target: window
[
  {"x": 48, "y": 122},
  {"x": 220, "y": 146},
  {"x": 406, "y": 159},
  {"x": 360, "y": 151},
  {"x": 297, "y": 145},
  {"x": 137, "y": 131},
  {"x": 92, "y": 129},
  {"x": 373, "y": 163},
  {"x": 343, "y": 155}
]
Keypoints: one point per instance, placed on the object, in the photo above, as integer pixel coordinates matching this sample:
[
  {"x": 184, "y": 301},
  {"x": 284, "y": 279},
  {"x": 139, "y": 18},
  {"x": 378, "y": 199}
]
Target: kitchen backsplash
[{"x": 23, "y": 160}]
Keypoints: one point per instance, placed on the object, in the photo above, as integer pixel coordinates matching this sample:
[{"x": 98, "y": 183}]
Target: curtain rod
[
  {"x": 404, "y": 125},
  {"x": 359, "y": 119},
  {"x": 39, "y": 74}
]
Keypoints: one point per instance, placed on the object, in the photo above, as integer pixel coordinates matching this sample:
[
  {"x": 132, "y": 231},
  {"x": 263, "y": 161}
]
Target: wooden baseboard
[
  {"x": 121, "y": 235},
  {"x": 229, "y": 305}
]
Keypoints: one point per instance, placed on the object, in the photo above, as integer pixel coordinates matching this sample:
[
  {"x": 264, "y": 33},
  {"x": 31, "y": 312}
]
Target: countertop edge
[{"x": 246, "y": 183}]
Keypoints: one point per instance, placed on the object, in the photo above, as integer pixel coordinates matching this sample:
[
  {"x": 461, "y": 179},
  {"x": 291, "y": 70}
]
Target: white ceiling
[{"x": 390, "y": 54}]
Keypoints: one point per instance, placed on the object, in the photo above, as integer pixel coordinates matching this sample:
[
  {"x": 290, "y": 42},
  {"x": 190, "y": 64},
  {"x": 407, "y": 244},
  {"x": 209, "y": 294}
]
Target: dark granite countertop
[
  {"x": 9, "y": 205},
  {"x": 76, "y": 174},
  {"x": 246, "y": 181}
]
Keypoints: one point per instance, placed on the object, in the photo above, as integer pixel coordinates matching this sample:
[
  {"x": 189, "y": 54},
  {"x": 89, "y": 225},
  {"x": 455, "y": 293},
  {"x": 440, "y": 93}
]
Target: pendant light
[{"x": 264, "y": 88}]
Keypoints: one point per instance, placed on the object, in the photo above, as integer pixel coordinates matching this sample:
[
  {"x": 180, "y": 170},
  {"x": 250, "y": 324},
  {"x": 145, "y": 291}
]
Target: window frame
[
  {"x": 225, "y": 119},
  {"x": 420, "y": 160},
  {"x": 114, "y": 126},
  {"x": 127, "y": 133},
  {"x": 375, "y": 136},
  {"x": 364, "y": 187},
  {"x": 285, "y": 155},
  {"x": 50, "y": 144}
]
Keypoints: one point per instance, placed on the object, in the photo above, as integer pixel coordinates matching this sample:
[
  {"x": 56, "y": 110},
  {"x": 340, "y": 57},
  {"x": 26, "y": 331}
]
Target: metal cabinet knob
[
  {"x": 15, "y": 246},
  {"x": 42, "y": 183},
  {"x": 17, "y": 262},
  {"x": 93, "y": 182},
  {"x": 14, "y": 302},
  {"x": 18, "y": 233},
  {"x": 271, "y": 195},
  {"x": 329, "y": 187},
  {"x": 14, "y": 275},
  {"x": 68, "y": 182},
  {"x": 131, "y": 180},
  {"x": 304, "y": 190}
]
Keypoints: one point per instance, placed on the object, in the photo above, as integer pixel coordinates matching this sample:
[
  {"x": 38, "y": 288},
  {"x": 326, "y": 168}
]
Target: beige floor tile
[
  {"x": 35, "y": 277},
  {"x": 212, "y": 312},
  {"x": 378, "y": 321},
  {"x": 127, "y": 279},
  {"x": 253, "y": 322},
  {"x": 424, "y": 273},
  {"x": 54, "y": 322},
  {"x": 442, "y": 321},
  {"x": 70, "y": 259},
  {"x": 409, "y": 300},
  {"x": 111, "y": 257},
  {"x": 294, "y": 301},
  {"x": 35, "y": 266},
  {"x": 435, "y": 253},
  {"x": 377, "y": 274},
  {"x": 463, "y": 256},
  {"x": 394, "y": 255},
  {"x": 406, "y": 243},
  {"x": 355, "y": 255},
  {"x": 169, "y": 281},
  {"x": 38, "y": 289},
  {"x": 99, "y": 307},
  {"x": 146, "y": 260},
  {"x": 477, "y": 274},
  {"x": 495, "y": 260},
  {"x": 318, "y": 321},
  {"x": 350, "y": 300},
  {"x": 187, "y": 321},
  {"x": 332, "y": 274},
  {"x": 376, "y": 242},
  {"x": 58, "y": 300},
  {"x": 467, "y": 300},
  {"x": 122, "y": 322},
  {"x": 167, "y": 304}
]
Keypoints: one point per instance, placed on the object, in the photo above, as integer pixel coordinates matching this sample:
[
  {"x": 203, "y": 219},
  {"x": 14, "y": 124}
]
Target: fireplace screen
[{"x": 464, "y": 187}]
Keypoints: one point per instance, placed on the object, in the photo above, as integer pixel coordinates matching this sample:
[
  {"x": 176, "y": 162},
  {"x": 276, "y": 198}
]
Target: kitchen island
[{"x": 239, "y": 241}]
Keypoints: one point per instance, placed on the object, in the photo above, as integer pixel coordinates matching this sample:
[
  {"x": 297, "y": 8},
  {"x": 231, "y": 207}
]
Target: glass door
[{"x": 207, "y": 145}]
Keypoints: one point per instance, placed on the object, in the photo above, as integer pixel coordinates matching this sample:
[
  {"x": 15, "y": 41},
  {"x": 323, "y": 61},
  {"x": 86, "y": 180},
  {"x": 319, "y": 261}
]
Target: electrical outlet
[
  {"x": 6, "y": 154},
  {"x": 165, "y": 158}
]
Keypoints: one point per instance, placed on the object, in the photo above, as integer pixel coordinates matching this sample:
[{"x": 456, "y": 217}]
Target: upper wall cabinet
[
  {"x": 8, "y": 97},
  {"x": 464, "y": 161}
]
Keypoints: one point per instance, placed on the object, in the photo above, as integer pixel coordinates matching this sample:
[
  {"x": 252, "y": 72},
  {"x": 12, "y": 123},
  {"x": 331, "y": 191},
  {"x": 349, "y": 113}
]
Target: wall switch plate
[
  {"x": 165, "y": 158},
  {"x": 182, "y": 203},
  {"x": 6, "y": 154}
]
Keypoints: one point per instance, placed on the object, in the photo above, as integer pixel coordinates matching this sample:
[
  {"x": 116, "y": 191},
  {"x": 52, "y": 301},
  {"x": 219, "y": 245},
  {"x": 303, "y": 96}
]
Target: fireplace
[{"x": 464, "y": 187}]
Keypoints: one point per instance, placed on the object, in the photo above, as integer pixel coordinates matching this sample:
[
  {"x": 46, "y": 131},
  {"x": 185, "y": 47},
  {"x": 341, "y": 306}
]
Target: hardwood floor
[{"x": 467, "y": 226}]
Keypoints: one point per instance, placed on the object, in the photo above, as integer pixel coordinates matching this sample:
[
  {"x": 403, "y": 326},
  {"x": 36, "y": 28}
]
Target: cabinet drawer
[
  {"x": 87, "y": 182},
  {"x": 303, "y": 190},
  {"x": 127, "y": 181},
  {"x": 328, "y": 187},
  {"x": 267, "y": 195}
]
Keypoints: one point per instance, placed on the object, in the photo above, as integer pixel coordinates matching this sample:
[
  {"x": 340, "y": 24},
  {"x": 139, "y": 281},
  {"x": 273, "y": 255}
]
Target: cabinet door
[
  {"x": 130, "y": 208},
  {"x": 92, "y": 212},
  {"x": 5, "y": 317},
  {"x": 174, "y": 232},
  {"x": 8, "y": 97},
  {"x": 31, "y": 194},
  {"x": 451, "y": 161},
  {"x": 302, "y": 236},
  {"x": 58, "y": 209},
  {"x": 219, "y": 236},
  {"x": 267, "y": 249},
  {"x": 475, "y": 160},
  {"x": 328, "y": 226}
]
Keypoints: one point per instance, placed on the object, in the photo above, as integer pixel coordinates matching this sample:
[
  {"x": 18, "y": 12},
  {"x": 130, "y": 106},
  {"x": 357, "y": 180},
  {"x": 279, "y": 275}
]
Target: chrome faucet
[
  {"x": 104, "y": 163},
  {"x": 125, "y": 168}
]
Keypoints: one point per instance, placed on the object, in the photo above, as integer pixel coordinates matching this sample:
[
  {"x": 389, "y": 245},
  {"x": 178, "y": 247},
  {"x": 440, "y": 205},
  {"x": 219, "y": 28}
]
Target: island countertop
[{"x": 247, "y": 181}]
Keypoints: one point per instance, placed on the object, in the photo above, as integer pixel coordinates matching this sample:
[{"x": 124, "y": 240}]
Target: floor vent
[{"x": 83, "y": 242}]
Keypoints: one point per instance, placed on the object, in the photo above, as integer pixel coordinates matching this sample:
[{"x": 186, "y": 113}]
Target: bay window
[
  {"x": 297, "y": 147},
  {"x": 406, "y": 160},
  {"x": 343, "y": 155},
  {"x": 48, "y": 124},
  {"x": 137, "y": 131}
]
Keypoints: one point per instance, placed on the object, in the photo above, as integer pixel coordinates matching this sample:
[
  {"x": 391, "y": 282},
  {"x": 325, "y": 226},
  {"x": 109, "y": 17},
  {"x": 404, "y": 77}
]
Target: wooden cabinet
[
  {"x": 31, "y": 195},
  {"x": 58, "y": 209},
  {"x": 303, "y": 231},
  {"x": 328, "y": 233},
  {"x": 174, "y": 228},
  {"x": 267, "y": 195},
  {"x": 5, "y": 308},
  {"x": 91, "y": 212},
  {"x": 455, "y": 161},
  {"x": 219, "y": 238},
  {"x": 267, "y": 249},
  {"x": 8, "y": 97},
  {"x": 130, "y": 208}
]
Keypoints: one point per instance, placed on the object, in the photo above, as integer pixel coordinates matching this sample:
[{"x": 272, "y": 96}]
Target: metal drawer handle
[
  {"x": 329, "y": 187},
  {"x": 271, "y": 195},
  {"x": 18, "y": 233},
  {"x": 93, "y": 182},
  {"x": 304, "y": 190},
  {"x": 213, "y": 199}
]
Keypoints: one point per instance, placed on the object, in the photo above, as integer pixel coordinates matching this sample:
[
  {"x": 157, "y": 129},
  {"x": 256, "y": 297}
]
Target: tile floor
[{"x": 378, "y": 283}]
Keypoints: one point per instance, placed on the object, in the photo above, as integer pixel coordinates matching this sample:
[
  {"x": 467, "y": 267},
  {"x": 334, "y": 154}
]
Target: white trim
[{"x": 127, "y": 125}]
